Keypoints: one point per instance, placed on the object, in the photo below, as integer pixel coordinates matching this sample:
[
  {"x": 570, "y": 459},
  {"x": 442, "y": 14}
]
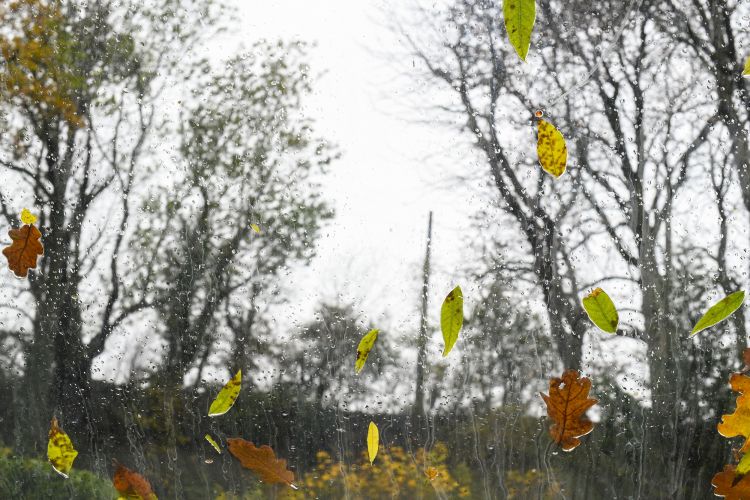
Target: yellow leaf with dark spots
[
  {"x": 227, "y": 396},
  {"x": 364, "y": 348},
  {"x": 551, "y": 149},
  {"x": 60, "y": 450}
]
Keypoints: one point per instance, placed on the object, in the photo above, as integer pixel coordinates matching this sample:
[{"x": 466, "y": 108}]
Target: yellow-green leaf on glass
[
  {"x": 373, "y": 441},
  {"x": 601, "y": 310},
  {"x": 255, "y": 227},
  {"x": 364, "y": 348},
  {"x": 551, "y": 149},
  {"x": 213, "y": 443},
  {"x": 452, "y": 318},
  {"x": 519, "y": 23},
  {"x": 227, "y": 396},
  {"x": 60, "y": 450},
  {"x": 719, "y": 311},
  {"x": 746, "y": 71}
]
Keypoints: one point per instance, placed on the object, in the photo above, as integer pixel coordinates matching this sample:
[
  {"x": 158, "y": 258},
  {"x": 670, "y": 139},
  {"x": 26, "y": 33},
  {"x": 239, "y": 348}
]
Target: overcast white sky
[{"x": 382, "y": 187}]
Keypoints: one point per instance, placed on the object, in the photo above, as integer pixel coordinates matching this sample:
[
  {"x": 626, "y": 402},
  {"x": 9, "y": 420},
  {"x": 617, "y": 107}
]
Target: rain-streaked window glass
[{"x": 397, "y": 249}]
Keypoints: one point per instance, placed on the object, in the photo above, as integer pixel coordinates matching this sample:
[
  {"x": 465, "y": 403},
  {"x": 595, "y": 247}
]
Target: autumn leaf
[
  {"x": 551, "y": 149},
  {"x": 255, "y": 227},
  {"x": 738, "y": 423},
  {"x": 262, "y": 461},
  {"x": 60, "y": 450},
  {"x": 567, "y": 403},
  {"x": 601, "y": 310},
  {"x": 364, "y": 348},
  {"x": 22, "y": 254},
  {"x": 742, "y": 469},
  {"x": 724, "y": 486},
  {"x": 227, "y": 396},
  {"x": 373, "y": 441},
  {"x": 746, "y": 71},
  {"x": 213, "y": 443},
  {"x": 719, "y": 311},
  {"x": 27, "y": 217},
  {"x": 451, "y": 318},
  {"x": 131, "y": 484},
  {"x": 519, "y": 23}
]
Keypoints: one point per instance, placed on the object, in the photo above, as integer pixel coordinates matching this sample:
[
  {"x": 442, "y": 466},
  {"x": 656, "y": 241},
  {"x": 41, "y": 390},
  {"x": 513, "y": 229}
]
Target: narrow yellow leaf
[
  {"x": 520, "y": 16},
  {"x": 60, "y": 451},
  {"x": 27, "y": 217},
  {"x": 373, "y": 441},
  {"x": 255, "y": 227},
  {"x": 213, "y": 443},
  {"x": 746, "y": 71},
  {"x": 227, "y": 396},
  {"x": 364, "y": 347},
  {"x": 551, "y": 149},
  {"x": 452, "y": 318}
]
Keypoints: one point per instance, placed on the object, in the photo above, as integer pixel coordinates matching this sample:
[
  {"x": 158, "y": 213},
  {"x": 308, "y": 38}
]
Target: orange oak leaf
[
  {"x": 566, "y": 405},
  {"x": 261, "y": 460},
  {"x": 131, "y": 484},
  {"x": 724, "y": 484},
  {"x": 23, "y": 252},
  {"x": 738, "y": 423}
]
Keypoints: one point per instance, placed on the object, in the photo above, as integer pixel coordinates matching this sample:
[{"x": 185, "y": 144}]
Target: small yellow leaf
[
  {"x": 746, "y": 71},
  {"x": 227, "y": 396},
  {"x": 364, "y": 347},
  {"x": 551, "y": 149},
  {"x": 255, "y": 227},
  {"x": 27, "y": 217},
  {"x": 373, "y": 441},
  {"x": 213, "y": 443},
  {"x": 60, "y": 451},
  {"x": 452, "y": 318}
]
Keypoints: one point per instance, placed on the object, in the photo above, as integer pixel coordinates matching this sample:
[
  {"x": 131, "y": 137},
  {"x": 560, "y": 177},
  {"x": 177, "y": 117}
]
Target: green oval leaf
[
  {"x": 519, "y": 23},
  {"x": 746, "y": 71},
  {"x": 227, "y": 396},
  {"x": 601, "y": 310},
  {"x": 364, "y": 348},
  {"x": 719, "y": 311},
  {"x": 452, "y": 318}
]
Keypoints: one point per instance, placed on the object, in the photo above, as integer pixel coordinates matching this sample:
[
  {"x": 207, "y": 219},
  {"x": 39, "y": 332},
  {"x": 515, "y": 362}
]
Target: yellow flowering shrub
[
  {"x": 395, "y": 474},
  {"x": 530, "y": 484}
]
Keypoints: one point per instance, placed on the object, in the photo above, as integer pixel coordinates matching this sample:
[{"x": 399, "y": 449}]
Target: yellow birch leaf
[
  {"x": 60, "y": 451},
  {"x": 255, "y": 227},
  {"x": 364, "y": 347},
  {"x": 519, "y": 23},
  {"x": 452, "y": 318},
  {"x": 227, "y": 396},
  {"x": 373, "y": 441},
  {"x": 746, "y": 71},
  {"x": 601, "y": 310},
  {"x": 213, "y": 443},
  {"x": 551, "y": 149},
  {"x": 27, "y": 217}
]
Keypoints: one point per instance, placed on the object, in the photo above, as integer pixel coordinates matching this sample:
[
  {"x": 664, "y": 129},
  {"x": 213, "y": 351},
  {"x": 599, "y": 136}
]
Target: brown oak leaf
[
  {"x": 724, "y": 484},
  {"x": 23, "y": 252},
  {"x": 131, "y": 484},
  {"x": 261, "y": 460},
  {"x": 566, "y": 405}
]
